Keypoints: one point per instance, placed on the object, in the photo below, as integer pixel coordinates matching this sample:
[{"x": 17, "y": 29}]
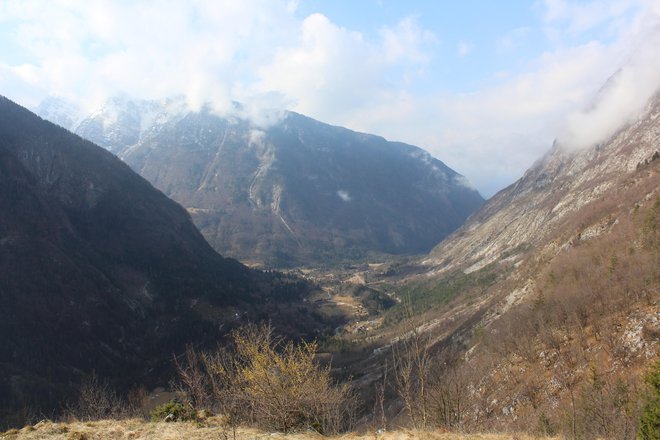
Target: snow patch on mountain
[{"x": 60, "y": 111}]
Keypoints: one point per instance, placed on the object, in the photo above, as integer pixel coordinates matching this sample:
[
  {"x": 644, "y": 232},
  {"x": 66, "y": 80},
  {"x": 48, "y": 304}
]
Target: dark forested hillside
[{"x": 99, "y": 270}]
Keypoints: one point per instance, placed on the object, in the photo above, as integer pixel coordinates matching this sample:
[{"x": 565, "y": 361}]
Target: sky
[{"x": 484, "y": 86}]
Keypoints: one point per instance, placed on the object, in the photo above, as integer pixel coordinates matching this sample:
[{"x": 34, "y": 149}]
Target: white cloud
[
  {"x": 204, "y": 50},
  {"x": 259, "y": 52},
  {"x": 625, "y": 94},
  {"x": 406, "y": 42},
  {"x": 330, "y": 71},
  {"x": 492, "y": 135},
  {"x": 584, "y": 16}
]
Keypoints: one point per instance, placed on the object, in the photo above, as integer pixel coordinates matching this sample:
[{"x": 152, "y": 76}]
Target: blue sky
[
  {"x": 469, "y": 49},
  {"x": 484, "y": 86}
]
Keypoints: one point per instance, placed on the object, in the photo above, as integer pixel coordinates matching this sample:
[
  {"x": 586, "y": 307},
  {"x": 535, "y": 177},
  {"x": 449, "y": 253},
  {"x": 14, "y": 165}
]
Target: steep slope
[
  {"x": 549, "y": 294},
  {"x": 99, "y": 270},
  {"x": 298, "y": 191},
  {"x": 533, "y": 210}
]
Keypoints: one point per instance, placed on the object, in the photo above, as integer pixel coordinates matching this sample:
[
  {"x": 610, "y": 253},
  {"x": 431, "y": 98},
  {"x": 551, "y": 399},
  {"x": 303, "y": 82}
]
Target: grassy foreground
[{"x": 140, "y": 429}]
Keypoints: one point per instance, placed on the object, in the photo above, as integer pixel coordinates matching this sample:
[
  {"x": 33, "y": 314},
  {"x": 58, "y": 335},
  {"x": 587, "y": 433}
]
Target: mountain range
[{"x": 293, "y": 192}]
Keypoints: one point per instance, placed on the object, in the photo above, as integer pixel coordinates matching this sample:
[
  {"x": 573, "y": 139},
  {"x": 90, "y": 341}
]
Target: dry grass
[{"x": 212, "y": 429}]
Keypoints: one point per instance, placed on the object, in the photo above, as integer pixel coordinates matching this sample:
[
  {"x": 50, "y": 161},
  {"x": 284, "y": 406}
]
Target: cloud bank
[
  {"x": 263, "y": 54},
  {"x": 256, "y": 52},
  {"x": 624, "y": 96}
]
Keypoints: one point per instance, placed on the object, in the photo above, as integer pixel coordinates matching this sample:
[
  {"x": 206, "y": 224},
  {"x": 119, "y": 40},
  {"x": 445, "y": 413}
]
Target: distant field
[{"x": 140, "y": 429}]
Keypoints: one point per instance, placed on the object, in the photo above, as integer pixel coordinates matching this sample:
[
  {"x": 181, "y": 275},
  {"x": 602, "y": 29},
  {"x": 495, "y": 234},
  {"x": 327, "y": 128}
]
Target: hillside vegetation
[
  {"x": 541, "y": 313},
  {"x": 99, "y": 271}
]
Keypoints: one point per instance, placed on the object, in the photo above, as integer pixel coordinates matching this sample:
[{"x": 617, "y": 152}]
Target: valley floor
[{"x": 140, "y": 429}]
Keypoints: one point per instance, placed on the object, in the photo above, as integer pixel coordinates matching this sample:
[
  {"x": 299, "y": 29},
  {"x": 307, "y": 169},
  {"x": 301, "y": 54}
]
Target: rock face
[
  {"x": 298, "y": 191},
  {"x": 533, "y": 210},
  {"x": 98, "y": 270}
]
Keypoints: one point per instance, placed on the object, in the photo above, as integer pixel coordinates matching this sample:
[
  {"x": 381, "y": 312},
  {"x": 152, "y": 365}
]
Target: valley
[
  {"x": 545, "y": 296},
  {"x": 541, "y": 309},
  {"x": 535, "y": 311},
  {"x": 348, "y": 220}
]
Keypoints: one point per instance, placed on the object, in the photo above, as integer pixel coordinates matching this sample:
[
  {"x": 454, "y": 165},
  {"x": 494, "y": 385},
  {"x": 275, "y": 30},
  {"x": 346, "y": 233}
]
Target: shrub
[
  {"x": 606, "y": 408},
  {"x": 544, "y": 426},
  {"x": 172, "y": 411},
  {"x": 267, "y": 382},
  {"x": 649, "y": 421},
  {"x": 284, "y": 385}
]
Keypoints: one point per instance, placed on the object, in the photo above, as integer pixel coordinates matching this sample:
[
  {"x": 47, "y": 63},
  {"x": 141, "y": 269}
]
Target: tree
[
  {"x": 411, "y": 362},
  {"x": 649, "y": 421},
  {"x": 268, "y": 382}
]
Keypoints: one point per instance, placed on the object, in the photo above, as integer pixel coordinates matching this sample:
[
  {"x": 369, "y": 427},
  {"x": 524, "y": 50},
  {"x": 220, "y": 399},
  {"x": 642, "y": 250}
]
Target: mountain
[
  {"x": 297, "y": 191},
  {"x": 543, "y": 306},
  {"x": 535, "y": 210},
  {"x": 99, "y": 271}
]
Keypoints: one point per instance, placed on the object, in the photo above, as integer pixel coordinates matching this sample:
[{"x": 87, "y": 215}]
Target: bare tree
[
  {"x": 449, "y": 395},
  {"x": 284, "y": 386},
  {"x": 378, "y": 411},
  {"x": 569, "y": 378},
  {"x": 96, "y": 400},
  {"x": 193, "y": 379},
  {"x": 411, "y": 362}
]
